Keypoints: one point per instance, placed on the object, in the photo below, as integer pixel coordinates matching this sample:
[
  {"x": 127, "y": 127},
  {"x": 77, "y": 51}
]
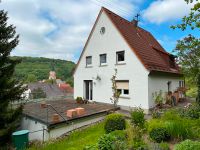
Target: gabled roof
[
  {"x": 51, "y": 90},
  {"x": 151, "y": 54}
]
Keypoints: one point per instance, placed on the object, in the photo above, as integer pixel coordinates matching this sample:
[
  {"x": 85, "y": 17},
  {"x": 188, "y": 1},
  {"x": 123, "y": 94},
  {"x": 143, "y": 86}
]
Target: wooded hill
[{"x": 37, "y": 68}]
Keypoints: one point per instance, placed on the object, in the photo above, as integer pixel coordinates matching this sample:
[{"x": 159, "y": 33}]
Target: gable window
[
  {"x": 120, "y": 56},
  {"x": 103, "y": 59},
  {"x": 123, "y": 87},
  {"x": 88, "y": 61}
]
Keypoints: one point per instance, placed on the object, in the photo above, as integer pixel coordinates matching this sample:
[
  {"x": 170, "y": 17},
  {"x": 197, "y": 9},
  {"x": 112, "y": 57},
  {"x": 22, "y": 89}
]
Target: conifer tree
[{"x": 10, "y": 89}]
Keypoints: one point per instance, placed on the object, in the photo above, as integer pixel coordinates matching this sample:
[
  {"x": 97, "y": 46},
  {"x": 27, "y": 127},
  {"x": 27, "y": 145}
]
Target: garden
[{"x": 173, "y": 129}]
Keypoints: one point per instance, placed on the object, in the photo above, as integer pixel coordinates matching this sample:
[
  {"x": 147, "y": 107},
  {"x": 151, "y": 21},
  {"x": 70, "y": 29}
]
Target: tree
[
  {"x": 10, "y": 89},
  {"x": 115, "y": 97},
  {"x": 31, "y": 78},
  {"x": 188, "y": 49}
]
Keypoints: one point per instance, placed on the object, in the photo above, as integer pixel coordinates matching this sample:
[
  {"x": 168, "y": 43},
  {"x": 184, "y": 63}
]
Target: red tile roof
[
  {"x": 151, "y": 54},
  {"x": 144, "y": 45}
]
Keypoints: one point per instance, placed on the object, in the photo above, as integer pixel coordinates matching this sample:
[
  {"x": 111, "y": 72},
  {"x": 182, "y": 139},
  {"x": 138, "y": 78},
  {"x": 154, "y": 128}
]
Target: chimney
[{"x": 134, "y": 22}]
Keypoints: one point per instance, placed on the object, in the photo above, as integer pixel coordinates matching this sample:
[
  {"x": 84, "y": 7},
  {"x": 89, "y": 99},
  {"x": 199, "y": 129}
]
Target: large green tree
[
  {"x": 10, "y": 89},
  {"x": 188, "y": 48}
]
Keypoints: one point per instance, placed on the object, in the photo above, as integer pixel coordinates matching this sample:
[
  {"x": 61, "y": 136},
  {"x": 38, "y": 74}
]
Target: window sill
[
  {"x": 103, "y": 65},
  {"x": 124, "y": 97},
  {"x": 88, "y": 66},
  {"x": 122, "y": 63}
]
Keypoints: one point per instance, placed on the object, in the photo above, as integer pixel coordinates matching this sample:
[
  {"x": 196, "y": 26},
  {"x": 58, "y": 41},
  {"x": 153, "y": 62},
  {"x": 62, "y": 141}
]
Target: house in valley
[{"x": 143, "y": 66}]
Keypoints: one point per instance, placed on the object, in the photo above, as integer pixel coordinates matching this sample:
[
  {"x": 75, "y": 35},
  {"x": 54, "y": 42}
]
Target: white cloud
[
  {"x": 57, "y": 28},
  {"x": 161, "y": 11}
]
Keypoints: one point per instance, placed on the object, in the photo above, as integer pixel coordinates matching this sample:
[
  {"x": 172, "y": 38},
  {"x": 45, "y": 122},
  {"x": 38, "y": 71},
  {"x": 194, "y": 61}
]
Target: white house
[{"x": 143, "y": 65}]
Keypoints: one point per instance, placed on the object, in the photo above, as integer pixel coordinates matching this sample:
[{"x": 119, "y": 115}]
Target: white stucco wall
[
  {"x": 60, "y": 130},
  {"x": 157, "y": 83},
  {"x": 32, "y": 125},
  {"x": 133, "y": 70}
]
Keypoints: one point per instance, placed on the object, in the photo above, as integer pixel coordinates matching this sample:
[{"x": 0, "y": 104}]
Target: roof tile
[{"x": 145, "y": 46}]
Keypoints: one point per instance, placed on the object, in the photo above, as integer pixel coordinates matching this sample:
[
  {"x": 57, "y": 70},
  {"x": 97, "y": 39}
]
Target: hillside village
[{"x": 125, "y": 92}]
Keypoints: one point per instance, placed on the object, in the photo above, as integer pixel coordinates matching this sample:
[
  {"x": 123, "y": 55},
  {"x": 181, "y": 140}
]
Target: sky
[{"x": 59, "y": 28}]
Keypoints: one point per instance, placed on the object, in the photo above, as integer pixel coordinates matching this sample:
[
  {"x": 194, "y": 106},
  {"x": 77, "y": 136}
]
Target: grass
[{"x": 76, "y": 140}]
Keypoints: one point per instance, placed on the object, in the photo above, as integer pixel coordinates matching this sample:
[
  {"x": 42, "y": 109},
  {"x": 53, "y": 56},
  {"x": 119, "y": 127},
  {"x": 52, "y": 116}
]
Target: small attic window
[{"x": 102, "y": 30}]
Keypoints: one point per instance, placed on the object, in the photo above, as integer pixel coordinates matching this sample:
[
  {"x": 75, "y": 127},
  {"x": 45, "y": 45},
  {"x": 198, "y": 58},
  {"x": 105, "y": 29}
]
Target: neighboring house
[
  {"x": 143, "y": 65},
  {"x": 51, "y": 90},
  {"x": 52, "y": 75},
  {"x": 66, "y": 88}
]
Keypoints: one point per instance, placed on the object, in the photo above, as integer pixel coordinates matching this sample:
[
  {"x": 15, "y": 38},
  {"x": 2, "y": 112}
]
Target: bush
[
  {"x": 135, "y": 138},
  {"x": 137, "y": 117},
  {"x": 119, "y": 134},
  {"x": 159, "y": 146},
  {"x": 192, "y": 112},
  {"x": 179, "y": 129},
  {"x": 156, "y": 114},
  {"x": 110, "y": 142},
  {"x": 164, "y": 146},
  {"x": 155, "y": 123},
  {"x": 114, "y": 122},
  {"x": 159, "y": 134},
  {"x": 188, "y": 145}
]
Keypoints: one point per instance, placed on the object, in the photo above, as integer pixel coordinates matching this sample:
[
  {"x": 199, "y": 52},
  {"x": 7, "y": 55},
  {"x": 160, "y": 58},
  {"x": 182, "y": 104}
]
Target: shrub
[
  {"x": 158, "y": 98},
  {"x": 164, "y": 146},
  {"x": 105, "y": 142},
  {"x": 156, "y": 114},
  {"x": 137, "y": 117},
  {"x": 192, "y": 112},
  {"x": 139, "y": 145},
  {"x": 188, "y": 145},
  {"x": 114, "y": 122},
  {"x": 179, "y": 129},
  {"x": 119, "y": 134},
  {"x": 135, "y": 138},
  {"x": 110, "y": 142},
  {"x": 155, "y": 123},
  {"x": 159, "y": 146},
  {"x": 159, "y": 134},
  {"x": 79, "y": 100}
]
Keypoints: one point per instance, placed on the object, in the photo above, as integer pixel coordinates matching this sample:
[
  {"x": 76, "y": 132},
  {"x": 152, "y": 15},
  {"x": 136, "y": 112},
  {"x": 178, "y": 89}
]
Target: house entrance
[{"x": 88, "y": 88}]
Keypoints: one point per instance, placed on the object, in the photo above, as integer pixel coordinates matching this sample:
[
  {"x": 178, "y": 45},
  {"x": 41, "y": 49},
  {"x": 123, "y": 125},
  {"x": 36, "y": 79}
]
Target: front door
[{"x": 88, "y": 89}]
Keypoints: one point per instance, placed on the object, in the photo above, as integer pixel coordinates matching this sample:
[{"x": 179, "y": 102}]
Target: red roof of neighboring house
[
  {"x": 152, "y": 55},
  {"x": 66, "y": 87}
]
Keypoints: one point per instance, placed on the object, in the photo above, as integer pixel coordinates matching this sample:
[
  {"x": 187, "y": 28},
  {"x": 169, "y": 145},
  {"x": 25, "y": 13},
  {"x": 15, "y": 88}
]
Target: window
[
  {"x": 103, "y": 60},
  {"x": 88, "y": 61},
  {"x": 120, "y": 56},
  {"x": 102, "y": 30},
  {"x": 181, "y": 83},
  {"x": 123, "y": 87}
]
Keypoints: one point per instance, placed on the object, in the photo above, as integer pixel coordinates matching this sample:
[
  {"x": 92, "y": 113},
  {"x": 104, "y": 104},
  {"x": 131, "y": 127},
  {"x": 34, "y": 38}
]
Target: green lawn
[{"x": 76, "y": 140}]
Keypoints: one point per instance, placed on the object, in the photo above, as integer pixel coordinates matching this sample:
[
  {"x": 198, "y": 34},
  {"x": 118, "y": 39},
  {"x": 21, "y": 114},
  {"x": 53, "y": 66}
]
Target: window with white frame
[
  {"x": 103, "y": 59},
  {"x": 181, "y": 83},
  {"x": 120, "y": 56},
  {"x": 88, "y": 61},
  {"x": 123, "y": 87}
]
